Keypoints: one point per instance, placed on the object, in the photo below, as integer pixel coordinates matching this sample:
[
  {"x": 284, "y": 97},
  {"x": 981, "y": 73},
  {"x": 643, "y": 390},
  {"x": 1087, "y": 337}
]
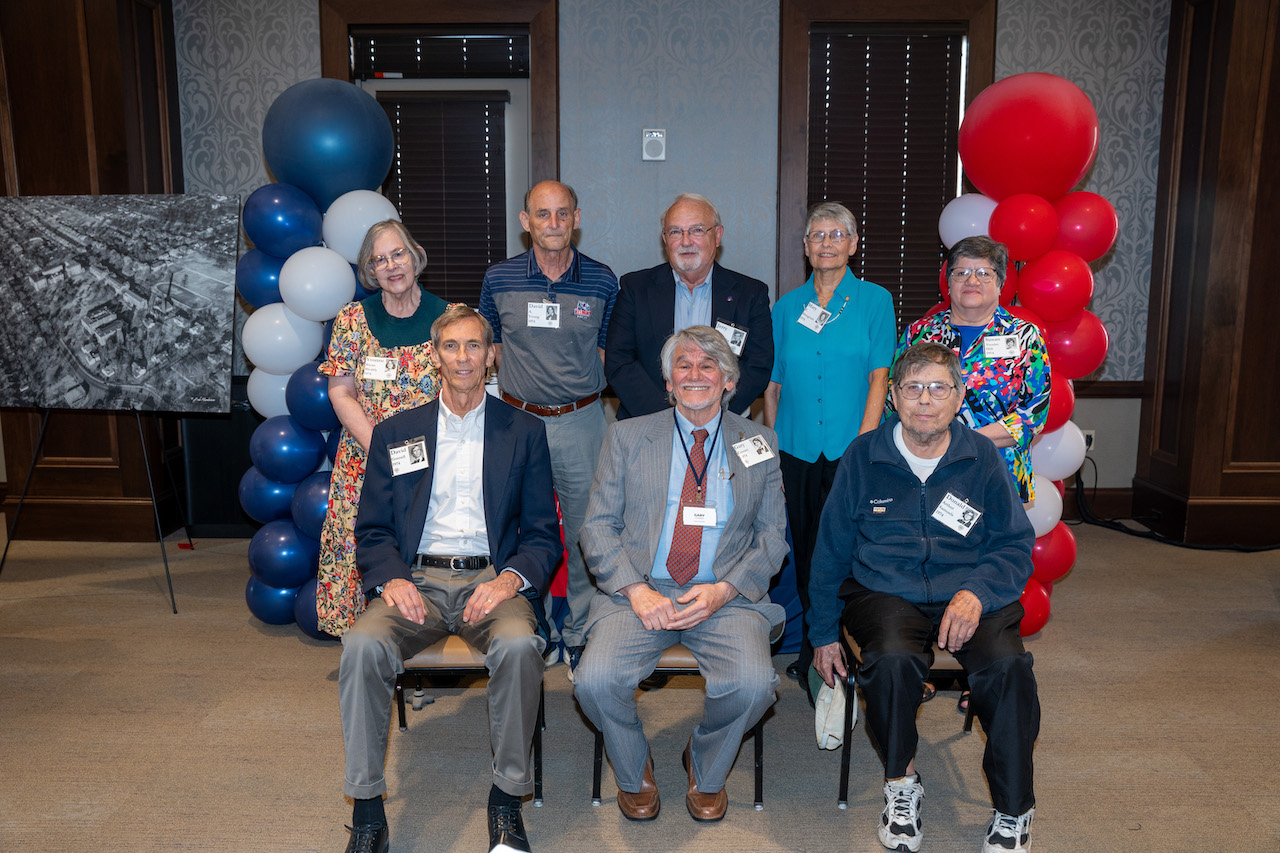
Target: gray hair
[
  {"x": 924, "y": 353},
  {"x": 457, "y": 312},
  {"x": 981, "y": 249},
  {"x": 700, "y": 199},
  {"x": 365, "y": 272},
  {"x": 710, "y": 342},
  {"x": 832, "y": 210}
]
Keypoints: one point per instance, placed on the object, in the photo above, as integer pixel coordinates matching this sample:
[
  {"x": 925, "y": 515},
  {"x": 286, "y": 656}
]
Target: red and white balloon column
[
  {"x": 329, "y": 145},
  {"x": 1025, "y": 142}
]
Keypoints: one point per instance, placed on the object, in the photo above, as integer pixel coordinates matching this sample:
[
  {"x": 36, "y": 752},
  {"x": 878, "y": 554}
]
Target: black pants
[
  {"x": 897, "y": 638},
  {"x": 807, "y": 485}
]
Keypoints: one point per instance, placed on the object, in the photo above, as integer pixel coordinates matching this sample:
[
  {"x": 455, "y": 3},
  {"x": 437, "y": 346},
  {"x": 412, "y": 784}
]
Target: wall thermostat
[{"x": 653, "y": 144}]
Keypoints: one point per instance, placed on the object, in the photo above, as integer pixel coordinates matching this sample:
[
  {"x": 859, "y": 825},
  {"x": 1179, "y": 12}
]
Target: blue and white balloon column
[{"x": 329, "y": 145}]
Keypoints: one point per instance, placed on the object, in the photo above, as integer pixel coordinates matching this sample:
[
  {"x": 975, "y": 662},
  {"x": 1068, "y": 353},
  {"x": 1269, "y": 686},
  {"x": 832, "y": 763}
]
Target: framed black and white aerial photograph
[{"x": 118, "y": 302}]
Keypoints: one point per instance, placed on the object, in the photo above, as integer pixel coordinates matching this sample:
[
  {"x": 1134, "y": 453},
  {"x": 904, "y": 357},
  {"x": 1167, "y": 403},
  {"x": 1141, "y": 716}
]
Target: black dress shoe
[
  {"x": 506, "y": 830},
  {"x": 793, "y": 670},
  {"x": 369, "y": 838}
]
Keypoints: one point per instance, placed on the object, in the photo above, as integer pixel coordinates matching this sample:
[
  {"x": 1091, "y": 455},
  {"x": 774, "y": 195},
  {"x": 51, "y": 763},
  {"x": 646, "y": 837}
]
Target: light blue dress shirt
[
  {"x": 715, "y": 486},
  {"x": 692, "y": 308}
]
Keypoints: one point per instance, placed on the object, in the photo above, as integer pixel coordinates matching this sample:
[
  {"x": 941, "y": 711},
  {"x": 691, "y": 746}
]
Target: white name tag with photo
[
  {"x": 736, "y": 336},
  {"x": 753, "y": 450},
  {"x": 957, "y": 514},
  {"x": 698, "y": 516},
  {"x": 408, "y": 456},
  {"x": 544, "y": 315},
  {"x": 814, "y": 317},
  {"x": 381, "y": 369},
  {"x": 1000, "y": 346}
]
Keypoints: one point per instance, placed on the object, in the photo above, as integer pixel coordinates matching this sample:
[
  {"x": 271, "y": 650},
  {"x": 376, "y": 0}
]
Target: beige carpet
[{"x": 125, "y": 727}]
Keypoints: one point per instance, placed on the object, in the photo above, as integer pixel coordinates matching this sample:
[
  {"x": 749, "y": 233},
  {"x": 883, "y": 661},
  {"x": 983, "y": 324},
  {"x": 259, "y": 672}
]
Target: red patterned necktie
[{"x": 686, "y": 544}]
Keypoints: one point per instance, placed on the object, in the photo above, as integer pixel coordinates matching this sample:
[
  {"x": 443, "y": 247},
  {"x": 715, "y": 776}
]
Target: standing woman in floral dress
[{"x": 377, "y": 366}]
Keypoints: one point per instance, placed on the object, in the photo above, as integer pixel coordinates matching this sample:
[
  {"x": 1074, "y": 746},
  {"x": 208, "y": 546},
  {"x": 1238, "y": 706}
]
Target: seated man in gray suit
[{"x": 684, "y": 530}]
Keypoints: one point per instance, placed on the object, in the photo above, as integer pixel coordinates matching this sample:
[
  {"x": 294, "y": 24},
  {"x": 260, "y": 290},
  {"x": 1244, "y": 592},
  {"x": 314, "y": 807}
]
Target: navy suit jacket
[
  {"x": 519, "y": 504},
  {"x": 644, "y": 316}
]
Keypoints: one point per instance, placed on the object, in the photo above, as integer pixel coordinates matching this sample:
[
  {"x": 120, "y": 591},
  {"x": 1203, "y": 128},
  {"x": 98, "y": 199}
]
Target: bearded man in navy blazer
[
  {"x": 691, "y": 289},
  {"x": 458, "y": 542}
]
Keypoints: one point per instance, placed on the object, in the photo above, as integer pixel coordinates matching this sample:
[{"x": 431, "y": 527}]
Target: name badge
[
  {"x": 382, "y": 369},
  {"x": 699, "y": 516},
  {"x": 814, "y": 317},
  {"x": 544, "y": 315},
  {"x": 1000, "y": 346},
  {"x": 735, "y": 335},
  {"x": 753, "y": 450},
  {"x": 957, "y": 514},
  {"x": 408, "y": 456}
]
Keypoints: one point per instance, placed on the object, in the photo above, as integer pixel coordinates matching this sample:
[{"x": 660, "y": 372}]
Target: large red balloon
[
  {"x": 1036, "y": 602},
  {"x": 1056, "y": 285},
  {"x": 1087, "y": 225},
  {"x": 1077, "y": 346},
  {"x": 939, "y": 308},
  {"x": 1053, "y": 554},
  {"x": 1029, "y": 133},
  {"x": 1009, "y": 290},
  {"x": 1026, "y": 224},
  {"x": 1062, "y": 401},
  {"x": 1025, "y": 314}
]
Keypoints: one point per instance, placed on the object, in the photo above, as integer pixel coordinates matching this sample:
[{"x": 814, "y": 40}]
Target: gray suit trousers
[
  {"x": 373, "y": 655},
  {"x": 732, "y": 650}
]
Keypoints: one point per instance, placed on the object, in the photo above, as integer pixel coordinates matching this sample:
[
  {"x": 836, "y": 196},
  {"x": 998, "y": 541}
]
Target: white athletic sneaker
[
  {"x": 1008, "y": 833},
  {"x": 899, "y": 827}
]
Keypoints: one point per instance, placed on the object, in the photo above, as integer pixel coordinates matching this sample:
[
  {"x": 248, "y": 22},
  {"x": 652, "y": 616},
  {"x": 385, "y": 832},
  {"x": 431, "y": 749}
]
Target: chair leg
[
  {"x": 404, "y": 725},
  {"x": 758, "y": 737},
  {"x": 537, "y": 747},
  {"x": 597, "y": 768},
  {"x": 846, "y": 748}
]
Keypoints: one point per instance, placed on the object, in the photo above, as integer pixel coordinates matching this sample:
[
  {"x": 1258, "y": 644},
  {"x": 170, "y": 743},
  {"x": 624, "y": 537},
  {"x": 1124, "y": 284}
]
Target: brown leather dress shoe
[
  {"x": 644, "y": 804},
  {"x": 702, "y": 807}
]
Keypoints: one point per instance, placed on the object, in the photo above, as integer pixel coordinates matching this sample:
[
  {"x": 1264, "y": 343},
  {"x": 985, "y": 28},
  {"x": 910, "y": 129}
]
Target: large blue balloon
[
  {"x": 284, "y": 450},
  {"x": 280, "y": 219},
  {"x": 281, "y": 556},
  {"x": 328, "y": 137},
  {"x": 258, "y": 278},
  {"x": 331, "y": 445},
  {"x": 310, "y": 503},
  {"x": 304, "y": 611},
  {"x": 271, "y": 605},
  {"x": 263, "y": 499},
  {"x": 307, "y": 396}
]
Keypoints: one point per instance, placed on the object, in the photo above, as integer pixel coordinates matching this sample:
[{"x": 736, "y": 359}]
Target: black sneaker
[
  {"x": 573, "y": 656},
  {"x": 368, "y": 838},
  {"x": 506, "y": 830}
]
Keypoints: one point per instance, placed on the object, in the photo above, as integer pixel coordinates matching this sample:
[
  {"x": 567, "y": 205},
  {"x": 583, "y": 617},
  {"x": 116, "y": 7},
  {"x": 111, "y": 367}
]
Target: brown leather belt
[{"x": 551, "y": 411}]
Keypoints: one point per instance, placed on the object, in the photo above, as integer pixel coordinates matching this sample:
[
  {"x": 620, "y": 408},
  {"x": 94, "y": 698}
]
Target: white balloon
[
  {"x": 965, "y": 216},
  {"x": 316, "y": 282},
  {"x": 1046, "y": 509},
  {"x": 276, "y": 340},
  {"x": 1058, "y": 454},
  {"x": 266, "y": 393},
  {"x": 349, "y": 218}
]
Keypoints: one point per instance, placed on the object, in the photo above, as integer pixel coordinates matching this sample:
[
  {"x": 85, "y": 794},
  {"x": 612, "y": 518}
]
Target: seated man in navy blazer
[
  {"x": 691, "y": 289},
  {"x": 456, "y": 542}
]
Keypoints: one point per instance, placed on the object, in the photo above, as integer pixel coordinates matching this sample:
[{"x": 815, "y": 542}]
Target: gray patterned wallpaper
[
  {"x": 707, "y": 72},
  {"x": 1115, "y": 52}
]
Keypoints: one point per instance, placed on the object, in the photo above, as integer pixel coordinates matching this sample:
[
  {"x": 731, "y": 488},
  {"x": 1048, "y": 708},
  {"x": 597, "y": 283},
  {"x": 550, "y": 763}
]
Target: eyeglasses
[
  {"x": 399, "y": 257},
  {"x": 937, "y": 390},
  {"x": 959, "y": 275},
  {"x": 836, "y": 236},
  {"x": 697, "y": 232}
]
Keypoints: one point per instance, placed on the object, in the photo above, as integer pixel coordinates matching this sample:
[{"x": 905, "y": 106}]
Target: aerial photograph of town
[{"x": 118, "y": 302}]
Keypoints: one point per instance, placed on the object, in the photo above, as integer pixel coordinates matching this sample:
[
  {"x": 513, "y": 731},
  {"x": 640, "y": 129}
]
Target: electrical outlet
[{"x": 1089, "y": 445}]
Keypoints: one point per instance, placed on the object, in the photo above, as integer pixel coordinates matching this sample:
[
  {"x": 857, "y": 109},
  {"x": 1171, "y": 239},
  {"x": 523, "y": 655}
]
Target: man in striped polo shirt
[{"x": 549, "y": 309}]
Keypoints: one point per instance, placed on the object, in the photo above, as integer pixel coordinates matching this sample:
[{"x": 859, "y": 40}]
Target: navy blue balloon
[
  {"x": 328, "y": 137},
  {"x": 304, "y": 612},
  {"x": 307, "y": 396},
  {"x": 258, "y": 278},
  {"x": 271, "y": 605},
  {"x": 331, "y": 445},
  {"x": 284, "y": 450},
  {"x": 280, "y": 219},
  {"x": 281, "y": 556},
  {"x": 310, "y": 503},
  {"x": 264, "y": 499},
  {"x": 362, "y": 292}
]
